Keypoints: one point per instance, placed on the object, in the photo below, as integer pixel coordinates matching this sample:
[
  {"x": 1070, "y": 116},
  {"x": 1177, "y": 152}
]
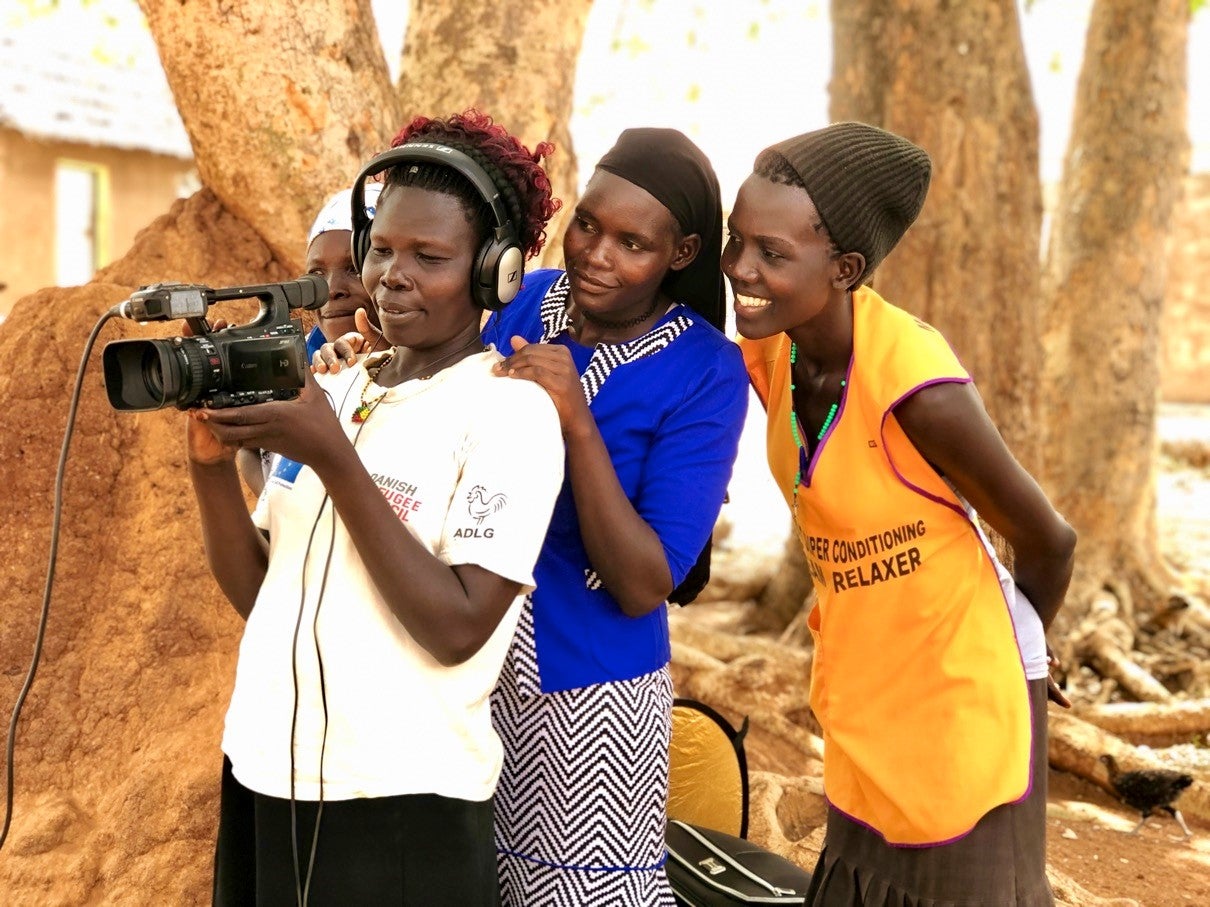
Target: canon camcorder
[{"x": 265, "y": 359}]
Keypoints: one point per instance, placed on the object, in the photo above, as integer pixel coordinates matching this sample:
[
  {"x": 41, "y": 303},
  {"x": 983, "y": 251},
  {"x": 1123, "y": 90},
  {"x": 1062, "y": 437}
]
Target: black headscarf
[{"x": 664, "y": 163}]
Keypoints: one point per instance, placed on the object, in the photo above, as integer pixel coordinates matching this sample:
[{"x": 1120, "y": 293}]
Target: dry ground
[{"x": 1088, "y": 833}]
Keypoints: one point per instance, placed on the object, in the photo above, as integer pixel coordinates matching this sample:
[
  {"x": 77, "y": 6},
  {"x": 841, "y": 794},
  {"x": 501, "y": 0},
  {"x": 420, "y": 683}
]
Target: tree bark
[
  {"x": 117, "y": 753},
  {"x": 1104, "y": 286},
  {"x": 952, "y": 78},
  {"x": 281, "y": 110},
  {"x": 1147, "y": 722},
  {"x": 788, "y": 590},
  {"x": 1113, "y": 661},
  {"x": 513, "y": 59}
]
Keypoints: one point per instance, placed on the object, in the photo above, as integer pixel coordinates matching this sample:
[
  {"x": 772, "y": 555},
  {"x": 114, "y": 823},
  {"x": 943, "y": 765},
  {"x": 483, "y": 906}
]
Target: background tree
[
  {"x": 953, "y": 79},
  {"x": 280, "y": 110},
  {"x": 1104, "y": 285},
  {"x": 117, "y": 759},
  {"x": 517, "y": 62}
]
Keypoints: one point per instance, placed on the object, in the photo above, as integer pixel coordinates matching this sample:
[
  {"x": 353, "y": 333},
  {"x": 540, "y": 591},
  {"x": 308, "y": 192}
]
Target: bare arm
[
  {"x": 950, "y": 427},
  {"x": 235, "y": 551},
  {"x": 450, "y": 611},
  {"x": 251, "y": 470}
]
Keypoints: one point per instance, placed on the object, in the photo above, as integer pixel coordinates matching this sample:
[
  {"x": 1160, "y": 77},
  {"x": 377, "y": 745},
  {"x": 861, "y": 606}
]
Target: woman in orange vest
[{"x": 930, "y": 673}]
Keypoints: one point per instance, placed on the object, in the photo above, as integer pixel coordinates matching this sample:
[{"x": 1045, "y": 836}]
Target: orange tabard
[{"x": 917, "y": 679}]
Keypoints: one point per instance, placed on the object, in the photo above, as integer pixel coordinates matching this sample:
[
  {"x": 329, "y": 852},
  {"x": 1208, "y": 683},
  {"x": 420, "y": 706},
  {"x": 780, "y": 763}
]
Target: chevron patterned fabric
[{"x": 580, "y": 807}]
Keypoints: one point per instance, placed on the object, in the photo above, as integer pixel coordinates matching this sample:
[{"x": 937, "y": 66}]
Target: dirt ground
[
  {"x": 1088, "y": 838},
  {"x": 1088, "y": 834}
]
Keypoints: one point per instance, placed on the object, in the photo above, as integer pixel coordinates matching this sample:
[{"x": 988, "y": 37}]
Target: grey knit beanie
[{"x": 867, "y": 184}]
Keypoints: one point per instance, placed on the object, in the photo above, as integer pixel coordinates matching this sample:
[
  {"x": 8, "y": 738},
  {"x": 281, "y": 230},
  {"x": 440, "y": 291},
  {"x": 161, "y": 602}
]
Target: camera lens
[
  {"x": 153, "y": 374},
  {"x": 142, "y": 375}
]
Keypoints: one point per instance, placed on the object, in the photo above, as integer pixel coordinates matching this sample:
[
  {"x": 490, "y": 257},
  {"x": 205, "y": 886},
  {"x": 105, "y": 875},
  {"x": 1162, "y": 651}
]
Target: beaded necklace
[
  {"x": 620, "y": 324},
  {"x": 823, "y": 429},
  {"x": 365, "y": 407}
]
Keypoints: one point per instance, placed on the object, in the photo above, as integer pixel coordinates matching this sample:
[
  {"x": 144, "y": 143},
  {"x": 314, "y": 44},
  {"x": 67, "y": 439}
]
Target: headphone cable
[{"x": 302, "y": 883}]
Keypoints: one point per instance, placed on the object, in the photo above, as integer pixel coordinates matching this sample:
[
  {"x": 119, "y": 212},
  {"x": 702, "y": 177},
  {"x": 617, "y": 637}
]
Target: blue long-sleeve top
[{"x": 670, "y": 406}]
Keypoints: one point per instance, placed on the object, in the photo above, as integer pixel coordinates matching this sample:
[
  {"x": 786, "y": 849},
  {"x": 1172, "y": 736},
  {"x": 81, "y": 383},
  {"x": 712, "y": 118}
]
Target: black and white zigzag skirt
[{"x": 581, "y": 802}]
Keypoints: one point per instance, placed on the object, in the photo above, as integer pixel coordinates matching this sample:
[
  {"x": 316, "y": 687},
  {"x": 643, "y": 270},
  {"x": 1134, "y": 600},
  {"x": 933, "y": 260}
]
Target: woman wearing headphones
[{"x": 361, "y": 760}]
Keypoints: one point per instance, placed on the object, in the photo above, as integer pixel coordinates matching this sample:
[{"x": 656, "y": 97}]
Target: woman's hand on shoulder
[
  {"x": 344, "y": 350},
  {"x": 551, "y": 367}
]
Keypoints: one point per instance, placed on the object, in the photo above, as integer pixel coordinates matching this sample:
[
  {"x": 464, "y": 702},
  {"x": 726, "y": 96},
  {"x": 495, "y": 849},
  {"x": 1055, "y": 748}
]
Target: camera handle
[
  {"x": 190, "y": 302},
  {"x": 199, "y": 326}
]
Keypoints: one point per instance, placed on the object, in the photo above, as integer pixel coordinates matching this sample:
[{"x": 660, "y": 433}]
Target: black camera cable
[
  {"x": 44, "y": 615},
  {"x": 302, "y": 884}
]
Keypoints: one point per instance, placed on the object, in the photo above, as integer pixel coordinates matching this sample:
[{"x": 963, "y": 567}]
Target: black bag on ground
[{"x": 707, "y": 868}]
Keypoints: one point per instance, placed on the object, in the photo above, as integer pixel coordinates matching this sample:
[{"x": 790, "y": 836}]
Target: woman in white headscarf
[{"x": 329, "y": 256}]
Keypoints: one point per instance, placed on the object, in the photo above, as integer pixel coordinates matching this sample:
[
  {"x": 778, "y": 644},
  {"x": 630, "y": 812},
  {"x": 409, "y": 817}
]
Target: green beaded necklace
[{"x": 823, "y": 429}]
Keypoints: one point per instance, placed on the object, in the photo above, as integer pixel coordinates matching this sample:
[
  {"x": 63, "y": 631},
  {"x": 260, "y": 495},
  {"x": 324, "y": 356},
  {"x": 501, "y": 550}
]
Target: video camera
[{"x": 265, "y": 359}]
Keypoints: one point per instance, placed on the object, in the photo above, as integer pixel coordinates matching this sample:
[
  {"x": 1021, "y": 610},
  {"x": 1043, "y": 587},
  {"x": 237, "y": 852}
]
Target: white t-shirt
[{"x": 471, "y": 462}]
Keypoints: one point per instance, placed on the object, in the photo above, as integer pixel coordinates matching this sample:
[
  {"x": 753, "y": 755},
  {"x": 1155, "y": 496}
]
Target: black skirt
[
  {"x": 420, "y": 849},
  {"x": 1001, "y": 863}
]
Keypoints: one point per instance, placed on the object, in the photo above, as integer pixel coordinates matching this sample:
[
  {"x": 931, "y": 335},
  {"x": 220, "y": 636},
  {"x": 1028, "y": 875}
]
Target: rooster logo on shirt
[{"x": 481, "y": 507}]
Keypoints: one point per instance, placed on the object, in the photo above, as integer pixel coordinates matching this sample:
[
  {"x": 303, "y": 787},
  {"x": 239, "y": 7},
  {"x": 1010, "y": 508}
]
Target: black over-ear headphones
[{"x": 499, "y": 264}]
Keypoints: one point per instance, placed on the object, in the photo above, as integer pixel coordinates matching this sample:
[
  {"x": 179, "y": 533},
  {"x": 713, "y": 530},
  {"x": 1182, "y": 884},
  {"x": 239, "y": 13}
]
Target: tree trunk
[
  {"x": 513, "y": 59},
  {"x": 952, "y": 78},
  {"x": 1104, "y": 286},
  {"x": 281, "y": 110},
  {"x": 788, "y": 590},
  {"x": 117, "y": 752}
]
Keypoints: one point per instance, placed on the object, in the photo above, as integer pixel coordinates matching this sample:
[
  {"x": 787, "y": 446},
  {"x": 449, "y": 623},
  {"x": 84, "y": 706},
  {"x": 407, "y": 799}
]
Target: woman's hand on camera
[
  {"x": 344, "y": 350},
  {"x": 201, "y": 445},
  {"x": 304, "y": 429}
]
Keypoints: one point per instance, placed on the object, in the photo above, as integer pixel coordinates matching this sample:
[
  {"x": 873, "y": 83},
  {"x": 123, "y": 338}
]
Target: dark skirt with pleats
[{"x": 1001, "y": 863}]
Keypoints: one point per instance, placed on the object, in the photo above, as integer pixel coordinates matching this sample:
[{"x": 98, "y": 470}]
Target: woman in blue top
[{"x": 651, "y": 397}]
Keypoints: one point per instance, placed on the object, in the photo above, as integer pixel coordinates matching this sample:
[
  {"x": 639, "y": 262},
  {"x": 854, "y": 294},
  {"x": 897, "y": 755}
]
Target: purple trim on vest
[
  {"x": 1029, "y": 789},
  {"x": 895, "y": 469},
  {"x": 848, "y": 383},
  {"x": 983, "y": 546}
]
